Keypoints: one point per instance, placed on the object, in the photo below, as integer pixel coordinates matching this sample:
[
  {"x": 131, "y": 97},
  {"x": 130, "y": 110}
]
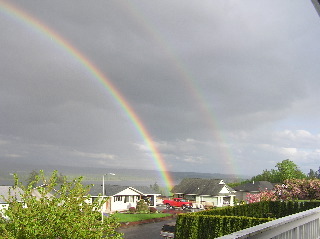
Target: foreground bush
[{"x": 59, "y": 212}]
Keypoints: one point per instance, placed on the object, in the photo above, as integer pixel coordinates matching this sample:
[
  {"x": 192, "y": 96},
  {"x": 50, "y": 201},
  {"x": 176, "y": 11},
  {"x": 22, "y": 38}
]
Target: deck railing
[{"x": 303, "y": 225}]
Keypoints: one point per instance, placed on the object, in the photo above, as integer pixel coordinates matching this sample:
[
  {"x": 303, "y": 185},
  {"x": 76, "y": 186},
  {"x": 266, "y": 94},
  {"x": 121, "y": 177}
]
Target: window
[
  {"x": 129, "y": 199},
  {"x": 117, "y": 198}
]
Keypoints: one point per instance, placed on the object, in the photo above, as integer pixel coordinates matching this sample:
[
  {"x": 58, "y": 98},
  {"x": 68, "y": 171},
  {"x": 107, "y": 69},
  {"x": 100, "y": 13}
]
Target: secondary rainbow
[
  {"x": 13, "y": 11},
  {"x": 188, "y": 80}
]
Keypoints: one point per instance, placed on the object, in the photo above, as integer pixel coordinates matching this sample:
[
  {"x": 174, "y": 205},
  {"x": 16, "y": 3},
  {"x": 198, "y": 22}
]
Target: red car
[{"x": 177, "y": 202}]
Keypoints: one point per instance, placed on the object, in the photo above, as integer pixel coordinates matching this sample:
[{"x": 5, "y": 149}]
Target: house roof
[
  {"x": 111, "y": 190},
  {"x": 145, "y": 190},
  {"x": 9, "y": 182},
  {"x": 5, "y": 191},
  {"x": 200, "y": 186},
  {"x": 257, "y": 186},
  {"x": 35, "y": 192}
]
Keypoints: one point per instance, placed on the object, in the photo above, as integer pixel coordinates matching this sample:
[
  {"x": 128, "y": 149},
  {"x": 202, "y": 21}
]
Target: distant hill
[
  {"x": 178, "y": 176},
  {"x": 123, "y": 176}
]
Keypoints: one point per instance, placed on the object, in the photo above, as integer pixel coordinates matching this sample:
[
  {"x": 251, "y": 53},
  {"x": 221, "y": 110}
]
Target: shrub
[
  {"x": 153, "y": 210},
  {"x": 142, "y": 207},
  {"x": 132, "y": 209}
]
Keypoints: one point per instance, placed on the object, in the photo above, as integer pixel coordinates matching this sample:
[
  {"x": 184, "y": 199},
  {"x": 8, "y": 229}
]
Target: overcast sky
[{"x": 222, "y": 86}]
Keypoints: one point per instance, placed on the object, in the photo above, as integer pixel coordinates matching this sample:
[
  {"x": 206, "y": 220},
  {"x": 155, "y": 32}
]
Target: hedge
[
  {"x": 193, "y": 226},
  {"x": 275, "y": 209},
  {"x": 223, "y": 221}
]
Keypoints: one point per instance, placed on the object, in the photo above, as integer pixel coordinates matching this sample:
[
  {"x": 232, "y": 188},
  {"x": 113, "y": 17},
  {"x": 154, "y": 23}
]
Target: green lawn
[{"x": 123, "y": 217}]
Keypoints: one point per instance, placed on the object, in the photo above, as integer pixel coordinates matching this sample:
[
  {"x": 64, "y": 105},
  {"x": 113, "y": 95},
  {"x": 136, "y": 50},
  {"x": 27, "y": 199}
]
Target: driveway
[
  {"x": 151, "y": 230},
  {"x": 146, "y": 231}
]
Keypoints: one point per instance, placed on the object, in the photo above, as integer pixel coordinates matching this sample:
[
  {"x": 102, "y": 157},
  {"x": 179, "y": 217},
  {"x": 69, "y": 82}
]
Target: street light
[
  {"x": 103, "y": 194},
  {"x": 103, "y": 181}
]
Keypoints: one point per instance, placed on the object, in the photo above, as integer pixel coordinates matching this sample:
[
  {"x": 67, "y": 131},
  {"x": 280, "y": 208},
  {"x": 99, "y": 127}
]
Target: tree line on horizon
[{"x": 285, "y": 170}]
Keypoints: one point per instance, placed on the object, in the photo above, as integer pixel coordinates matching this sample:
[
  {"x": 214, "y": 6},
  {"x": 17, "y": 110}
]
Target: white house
[
  {"x": 205, "y": 191},
  {"x": 121, "y": 198},
  {"x": 5, "y": 193}
]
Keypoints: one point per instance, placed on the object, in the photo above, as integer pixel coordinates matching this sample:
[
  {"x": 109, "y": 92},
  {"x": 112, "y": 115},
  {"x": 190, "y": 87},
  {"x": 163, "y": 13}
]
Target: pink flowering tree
[
  {"x": 253, "y": 197},
  {"x": 266, "y": 195},
  {"x": 291, "y": 189},
  {"x": 314, "y": 189},
  {"x": 294, "y": 189}
]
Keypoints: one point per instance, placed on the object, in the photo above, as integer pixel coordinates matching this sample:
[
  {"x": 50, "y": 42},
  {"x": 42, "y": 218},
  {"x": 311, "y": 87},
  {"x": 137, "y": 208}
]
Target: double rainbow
[
  {"x": 14, "y": 12},
  {"x": 188, "y": 81}
]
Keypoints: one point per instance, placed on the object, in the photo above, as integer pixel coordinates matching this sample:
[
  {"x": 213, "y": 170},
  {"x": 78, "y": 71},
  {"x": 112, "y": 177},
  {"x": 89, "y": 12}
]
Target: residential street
[
  {"x": 145, "y": 231},
  {"x": 151, "y": 230}
]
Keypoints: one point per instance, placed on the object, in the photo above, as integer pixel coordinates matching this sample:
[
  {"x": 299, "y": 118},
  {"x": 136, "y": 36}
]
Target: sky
[{"x": 220, "y": 86}]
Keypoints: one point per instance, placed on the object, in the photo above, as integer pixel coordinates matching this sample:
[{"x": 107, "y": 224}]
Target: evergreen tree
[
  {"x": 155, "y": 187},
  {"x": 32, "y": 178},
  {"x": 313, "y": 174}
]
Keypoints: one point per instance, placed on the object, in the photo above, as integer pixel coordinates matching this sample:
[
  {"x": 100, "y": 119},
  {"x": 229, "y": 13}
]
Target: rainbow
[
  {"x": 13, "y": 11},
  {"x": 188, "y": 81}
]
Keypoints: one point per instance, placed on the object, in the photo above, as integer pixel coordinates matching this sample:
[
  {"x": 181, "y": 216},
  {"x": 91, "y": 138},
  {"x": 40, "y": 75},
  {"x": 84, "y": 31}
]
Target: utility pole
[
  {"x": 316, "y": 4},
  {"x": 103, "y": 191}
]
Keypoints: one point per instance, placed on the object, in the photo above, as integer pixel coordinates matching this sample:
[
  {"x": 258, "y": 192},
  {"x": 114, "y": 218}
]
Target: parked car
[{"x": 177, "y": 202}]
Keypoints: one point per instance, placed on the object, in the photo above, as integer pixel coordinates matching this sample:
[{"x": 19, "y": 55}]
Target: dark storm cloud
[{"x": 253, "y": 63}]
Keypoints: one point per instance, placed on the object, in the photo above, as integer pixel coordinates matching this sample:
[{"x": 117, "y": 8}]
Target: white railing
[{"x": 303, "y": 225}]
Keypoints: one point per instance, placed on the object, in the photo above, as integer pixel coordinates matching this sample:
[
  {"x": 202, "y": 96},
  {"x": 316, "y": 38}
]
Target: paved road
[
  {"x": 145, "y": 231},
  {"x": 151, "y": 230}
]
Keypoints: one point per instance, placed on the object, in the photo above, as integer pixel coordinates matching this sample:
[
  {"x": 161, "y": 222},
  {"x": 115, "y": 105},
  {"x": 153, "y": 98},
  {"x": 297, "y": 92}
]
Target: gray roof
[
  {"x": 9, "y": 182},
  {"x": 145, "y": 190},
  {"x": 257, "y": 186},
  {"x": 200, "y": 186},
  {"x": 35, "y": 192},
  {"x": 5, "y": 191},
  {"x": 111, "y": 190}
]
